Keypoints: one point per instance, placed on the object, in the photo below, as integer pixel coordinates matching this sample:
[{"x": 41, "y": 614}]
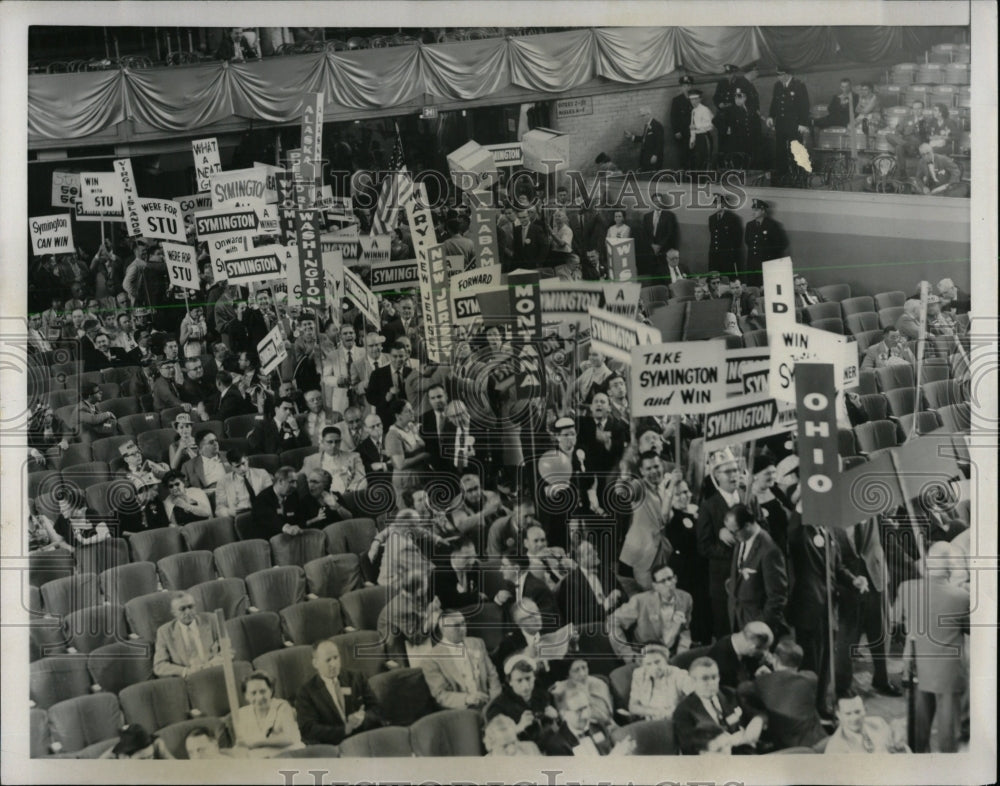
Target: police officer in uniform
[
  {"x": 765, "y": 240},
  {"x": 789, "y": 117},
  {"x": 725, "y": 233},
  {"x": 725, "y": 90},
  {"x": 680, "y": 122},
  {"x": 739, "y": 133}
]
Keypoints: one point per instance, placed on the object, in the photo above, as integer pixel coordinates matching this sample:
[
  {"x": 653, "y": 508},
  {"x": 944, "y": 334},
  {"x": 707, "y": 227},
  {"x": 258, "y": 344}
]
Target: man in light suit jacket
[
  {"x": 209, "y": 467},
  {"x": 335, "y": 703},
  {"x": 187, "y": 644},
  {"x": 459, "y": 672},
  {"x": 758, "y": 581},
  {"x": 660, "y": 616},
  {"x": 361, "y": 370},
  {"x": 237, "y": 491}
]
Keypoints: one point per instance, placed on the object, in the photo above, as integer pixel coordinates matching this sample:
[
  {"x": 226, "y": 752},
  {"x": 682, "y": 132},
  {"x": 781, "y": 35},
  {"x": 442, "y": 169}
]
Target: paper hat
[
  {"x": 143, "y": 480},
  {"x": 182, "y": 417},
  {"x": 721, "y": 458},
  {"x": 563, "y": 423}
]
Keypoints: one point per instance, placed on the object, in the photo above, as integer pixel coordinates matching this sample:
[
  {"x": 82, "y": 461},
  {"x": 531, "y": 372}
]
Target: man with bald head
[{"x": 188, "y": 643}]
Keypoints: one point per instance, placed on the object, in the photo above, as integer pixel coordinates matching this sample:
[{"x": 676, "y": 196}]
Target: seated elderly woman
[
  {"x": 266, "y": 726},
  {"x": 522, "y": 699},
  {"x": 500, "y": 739},
  {"x": 657, "y": 687}
]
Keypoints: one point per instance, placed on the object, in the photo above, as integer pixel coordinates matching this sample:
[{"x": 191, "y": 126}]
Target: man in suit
[
  {"x": 433, "y": 425},
  {"x": 335, "y": 703},
  {"x": 765, "y": 240},
  {"x": 741, "y": 301},
  {"x": 195, "y": 387},
  {"x": 680, "y": 122},
  {"x": 236, "y": 492},
  {"x": 316, "y": 417},
  {"x": 102, "y": 355},
  {"x": 318, "y": 505},
  {"x": 758, "y": 581},
  {"x": 346, "y": 468},
  {"x": 650, "y": 141},
  {"x": 232, "y": 402},
  {"x": 188, "y": 643},
  {"x": 275, "y": 509},
  {"x": 715, "y": 541},
  {"x": 589, "y": 240},
  {"x": 893, "y": 344},
  {"x": 789, "y": 116},
  {"x": 388, "y": 384},
  {"x": 676, "y": 270},
  {"x": 861, "y": 610},
  {"x": 645, "y": 548},
  {"x": 458, "y": 670},
  {"x": 743, "y": 655},
  {"x": 280, "y": 433},
  {"x": 935, "y": 613},
  {"x": 710, "y": 719},
  {"x": 804, "y": 294},
  {"x": 658, "y": 233},
  {"x": 603, "y": 439},
  {"x": 788, "y": 696},
  {"x": 661, "y": 615},
  {"x": 587, "y": 594},
  {"x": 531, "y": 241},
  {"x": 165, "y": 393},
  {"x": 937, "y": 175},
  {"x": 954, "y": 300},
  {"x": 577, "y": 733},
  {"x": 209, "y": 467},
  {"x": 361, "y": 370},
  {"x": 521, "y": 586},
  {"x": 377, "y": 464},
  {"x": 94, "y": 424}
]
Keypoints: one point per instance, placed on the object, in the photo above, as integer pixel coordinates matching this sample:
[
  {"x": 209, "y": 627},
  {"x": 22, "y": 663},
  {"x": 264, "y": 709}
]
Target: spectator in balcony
[
  {"x": 943, "y": 131},
  {"x": 838, "y": 111},
  {"x": 701, "y": 140},
  {"x": 869, "y": 110},
  {"x": 804, "y": 295},
  {"x": 650, "y": 140},
  {"x": 909, "y": 321},
  {"x": 619, "y": 229},
  {"x": 937, "y": 175},
  {"x": 908, "y": 137},
  {"x": 953, "y": 300},
  {"x": 565, "y": 263},
  {"x": 235, "y": 47}
]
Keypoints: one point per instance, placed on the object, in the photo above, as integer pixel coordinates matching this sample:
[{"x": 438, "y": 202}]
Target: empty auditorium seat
[
  {"x": 105, "y": 496},
  {"x": 867, "y": 384},
  {"x": 42, "y": 481},
  {"x": 61, "y": 398},
  {"x": 242, "y": 522},
  {"x": 298, "y": 549},
  {"x": 733, "y": 342},
  {"x": 926, "y": 422},
  {"x": 98, "y": 557},
  {"x": 944, "y": 393},
  {"x": 254, "y": 634},
  {"x": 238, "y": 560},
  {"x": 155, "y": 703},
  {"x": 845, "y": 442},
  {"x": 38, "y": 733},
  {"x": 902, "y": 401},
  {"x": 46, "y": 566},
  {"x": 875, "y": 406},
  {"x": 829, "y": 324},
  {"x": 834, "y": 292},
  {"x": 934, "y": 370},
  {"x": 863, "y": 323},
  {"x": 312, "y": 620},
  {"x": 620, "y": 679},
  {"x": 887, "y": 317},
  {"x": 155, "y": 544},
  {"x": 956, "y": 418},
  {"x": 122, "y": 406},
  {"x": 684, "y": 287},
  {"x": 295, "y": 457},
  {"x": 57, "y": 678},
  {"x": 895, "y": 376},
  {"x": 333, "y": 575},
  {"x": 85, "y": 720},
  {"x": 821, "y": 311},
  {"x": 361, "y": 608},
  {"x": 266, "y": 461},
  {"x": 120, "y": 374},
  {"x": 403, "y": 695},
  {"x": 118, "y": 665},
  {"x": 95, "y": 626},
  {"x": 362, "y": 650},
  {"x": 65, "y": 595},
  {"x": 274, "y": 588},
  {"x": 139, "y": 424},
  {"x": 227, "y": 595},
  {"x": 352, "y": 536},
  {"x": 291, "y": 668},
  {"x": 241, "y": 425},
  {"x": 857, "y": 305},
  {"x": 180, "y": 571},
  {"x": 76, "y": 453},
  {"x": 894, "y": 299},
  {"x": 390, "y": 742},
  {"x": 875, "y": 435},
  {"x": 206, "y": 689},
  {"x": 850, "y": 462},
  {"x": 86, "y": 474},
  {"x": 46, "y": 637},
  {"x": 154, "y": 443},
  {"x": 147, "y": 613},
  {"x": 121, "y": 584},
  {"x": 174, "y": 734},
  {"x": 106, "y": 449},
  {"x": 209, "y": 534},
  {"x": 448, "y": 733}
]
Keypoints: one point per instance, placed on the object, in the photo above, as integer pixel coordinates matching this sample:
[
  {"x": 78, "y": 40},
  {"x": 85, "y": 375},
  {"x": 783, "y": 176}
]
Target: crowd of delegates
[{"x": 597, "y": 542}]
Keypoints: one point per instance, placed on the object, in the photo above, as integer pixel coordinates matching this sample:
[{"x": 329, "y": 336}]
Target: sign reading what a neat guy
[
  {"x": 678, "y": 378},
  {"x": 206, "y": 160},
  {"x": 51, "y": 234}
]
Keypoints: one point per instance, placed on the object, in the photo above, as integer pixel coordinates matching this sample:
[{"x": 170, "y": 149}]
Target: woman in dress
[
  {"x": 266, "y": 726},
  {"x": 405, "y": 448},
  {"x": 184, "y": 446},
  {"x": 619, "y": 229},
  {"x": 522, "y": 699}
]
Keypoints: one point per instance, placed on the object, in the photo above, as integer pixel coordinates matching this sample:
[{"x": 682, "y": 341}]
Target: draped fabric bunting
[{"x": 71, "y": 106}]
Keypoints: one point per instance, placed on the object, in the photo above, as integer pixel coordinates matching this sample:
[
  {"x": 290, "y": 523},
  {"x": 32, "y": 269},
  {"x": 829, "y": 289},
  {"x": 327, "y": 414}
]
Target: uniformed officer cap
[
  {"x": 760, "y": 204},
  {"x": 730, "y": 68},
  {"x": 686, "y": 80},
  {"x": 783, "y": 69}
]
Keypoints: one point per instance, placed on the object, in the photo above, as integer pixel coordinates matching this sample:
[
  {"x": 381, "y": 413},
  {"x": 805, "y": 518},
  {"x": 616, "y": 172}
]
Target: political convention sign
[
  {"x": 614, "y": 335},
  {"x": 101, "y": 194},
  {"x": 622, "y": 297},
  {"x": 224, "y": 246},
  {"x": 239, "y": 188},
  {"x": 226, "y": 221},
  {"x": 570, "y": 301},
  {"x": 819, "y": 462},
  {"x": 182, "y": 265},
  {"x": 677, "y": 378},
  {"x": 162, "y": 220},
  {"x": 779, "y": 293},
  {"x": 191, "y": 204},
  {"x": 747, "y": 371},
  {"x": 396, "y": 276},
  {"x": 465, "y": 287},
  {"x": 801, "y": 344},
  {"x": 525, "y": 308},
  {"x": 621, "y": 258},
  {"x": 484, "y": 235},
  {"x": 270, "y": 181},
  {"x": 311, "y": 166},
  {"x": 130, "y": 197},
  {"x": 256, "y": 266},
  {"x": 51, "y": 234},
  {"x": 271, "y": 351},
  {"x": 206, "y": 160},
  {"x": 65, "y": 188},
  {"x": 741, "y": 420},
  {"x": 374, "y": 248},
  {"x": 310, "y": 259},
  {"x": 432, "y": 269},
  {"x": 361, "y": 296}
]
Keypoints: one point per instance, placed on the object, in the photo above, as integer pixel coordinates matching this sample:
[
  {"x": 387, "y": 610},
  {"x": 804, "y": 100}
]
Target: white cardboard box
[
  {"x": 475, "y": 159},
  {"x": 542, "y": 145}
]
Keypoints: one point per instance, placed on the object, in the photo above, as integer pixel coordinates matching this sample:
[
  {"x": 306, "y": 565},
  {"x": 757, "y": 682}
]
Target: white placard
[
  {"x": 101, "y": 194},
  {"x": 182, "y": 265},
  {"x": 65, "y": 189},
  {"x": 206, "y": 160},
  {"x": 804, "y": 344},
  {"x": 51, "y": 234},
  {"x": 271, "y": 351},
  {"x": 162, "y": 220},
  {"x": 239, "y": 188},
  {"x": 134, "y": 223},
  {"x": 779, "y": 293},
  {"x": 678, "y": 378},
  {"x": 615, "y": 336}
]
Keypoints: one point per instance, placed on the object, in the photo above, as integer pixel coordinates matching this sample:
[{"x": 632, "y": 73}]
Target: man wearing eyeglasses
[
  {"x": 184, "y": 505},
  {"x": 280, "y": 433},
  {"x": 188, "y": 643},
  {"x": 345, "y": 467},
  {"x": 209, "y": 467},
  {"x": 661, "y": 615}
]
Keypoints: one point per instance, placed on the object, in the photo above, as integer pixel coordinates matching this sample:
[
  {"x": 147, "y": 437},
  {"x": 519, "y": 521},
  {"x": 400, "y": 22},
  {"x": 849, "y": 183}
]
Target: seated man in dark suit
[
  {"x": 742, "y": 655},
  {"x": 282, "y": 432},
  {"x": 520, "y": 583},
  {"x": 275, "y": 509},
  {"x": 577, "y": 733},
  {"x": 788, "y": 696},
  {"x": 459, "y": 582},
  {"x": 710, "y": 719},
  {"x": 335, "y": 703},
  {"x": 231, "y": 400}
]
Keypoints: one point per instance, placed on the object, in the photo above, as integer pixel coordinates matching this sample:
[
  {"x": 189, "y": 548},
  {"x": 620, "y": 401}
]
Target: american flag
[{"x": 397, "y": 190}]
